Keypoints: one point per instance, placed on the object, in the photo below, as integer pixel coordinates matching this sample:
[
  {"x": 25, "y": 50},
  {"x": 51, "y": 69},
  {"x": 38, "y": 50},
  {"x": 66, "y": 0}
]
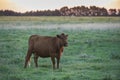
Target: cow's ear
[
  {"x": 66, "y": 35},
  {"x": 62, "y": 34},
  {"x": 58, "y": 36}
]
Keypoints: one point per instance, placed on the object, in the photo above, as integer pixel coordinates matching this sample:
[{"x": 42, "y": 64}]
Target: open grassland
[
  {"x": 92, "y": 54},
  {"x": 60, "y": 20}
]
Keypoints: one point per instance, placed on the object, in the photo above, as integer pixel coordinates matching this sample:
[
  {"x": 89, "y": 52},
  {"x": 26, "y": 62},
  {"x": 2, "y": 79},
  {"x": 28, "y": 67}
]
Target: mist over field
[
  {"x": 93, "y": 51},
  {"x": 81, "y": 26},
  {"x": 67, "y": 23}
]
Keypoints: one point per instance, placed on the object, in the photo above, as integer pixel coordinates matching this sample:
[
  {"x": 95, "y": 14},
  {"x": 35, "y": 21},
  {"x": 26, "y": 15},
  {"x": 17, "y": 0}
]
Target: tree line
[{"x": 65, "y": 11}]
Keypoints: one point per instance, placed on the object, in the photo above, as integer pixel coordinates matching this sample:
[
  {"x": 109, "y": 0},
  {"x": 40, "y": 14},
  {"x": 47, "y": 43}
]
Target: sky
[{"x": 28, "y": 5}]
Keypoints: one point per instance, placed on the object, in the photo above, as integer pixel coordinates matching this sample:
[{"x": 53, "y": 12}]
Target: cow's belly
[
  {"x": 42, "y": 53},
  {"x": 44, "y": 56}
]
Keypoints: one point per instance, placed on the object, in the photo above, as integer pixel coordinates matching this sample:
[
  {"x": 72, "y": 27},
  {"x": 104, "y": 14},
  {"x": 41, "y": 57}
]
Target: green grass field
[
  {"x": 60, "y": 20},
  {"x": 91, "y": 54}
]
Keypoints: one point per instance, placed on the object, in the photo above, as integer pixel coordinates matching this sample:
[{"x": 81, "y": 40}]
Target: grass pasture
[{"x": 92, "y": 54}]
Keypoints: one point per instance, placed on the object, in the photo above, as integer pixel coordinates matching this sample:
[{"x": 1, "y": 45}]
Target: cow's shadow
[{"x": 45, "y": 66}]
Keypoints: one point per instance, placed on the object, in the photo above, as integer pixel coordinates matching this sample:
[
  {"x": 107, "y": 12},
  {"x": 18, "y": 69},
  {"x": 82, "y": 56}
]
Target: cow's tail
[{"x": 27, "y": 58}]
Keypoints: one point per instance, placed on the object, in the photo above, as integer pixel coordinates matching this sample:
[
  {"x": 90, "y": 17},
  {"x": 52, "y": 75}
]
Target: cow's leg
[
  {"x": 58, "y": 60},
  {"x": 27, "y": 59},
  {"x": 35, "y": 60},
  {"x": 53, "y": 61},
  {"x": 58, "y": 57}
]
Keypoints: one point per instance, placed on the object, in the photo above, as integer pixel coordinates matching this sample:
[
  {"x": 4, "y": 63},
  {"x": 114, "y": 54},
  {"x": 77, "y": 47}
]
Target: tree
[
  {"x": 118, "y": 12},
  {"x": 112, "y": 12},
  {"x": 63, "y": 10}
]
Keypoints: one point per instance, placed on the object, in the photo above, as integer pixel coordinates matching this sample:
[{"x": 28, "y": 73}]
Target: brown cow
[{"x": 45, "y": 46}]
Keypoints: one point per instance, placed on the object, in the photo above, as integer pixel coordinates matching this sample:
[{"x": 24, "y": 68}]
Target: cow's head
[{"x": 63, "y": 37}]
